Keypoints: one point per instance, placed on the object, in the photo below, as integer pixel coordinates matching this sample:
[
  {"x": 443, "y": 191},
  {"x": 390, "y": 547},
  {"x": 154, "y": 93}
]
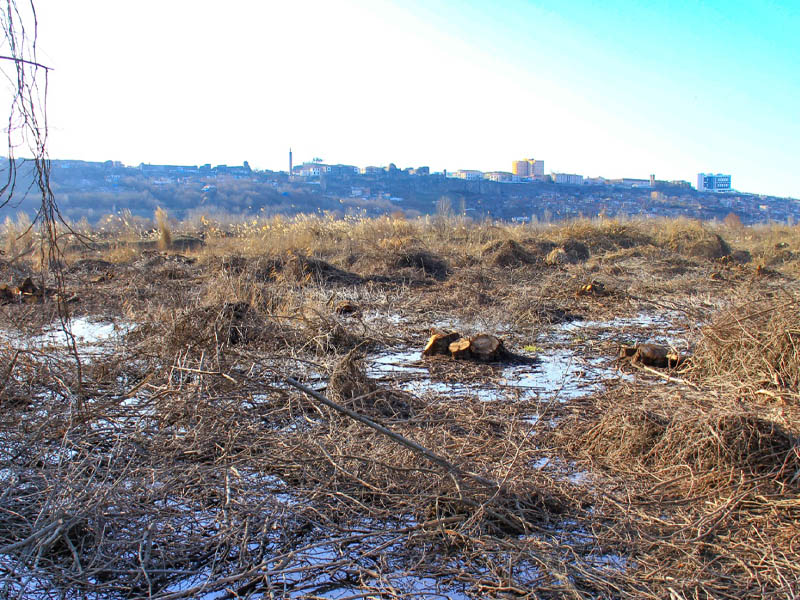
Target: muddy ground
[{"x": 164, "y": 454}]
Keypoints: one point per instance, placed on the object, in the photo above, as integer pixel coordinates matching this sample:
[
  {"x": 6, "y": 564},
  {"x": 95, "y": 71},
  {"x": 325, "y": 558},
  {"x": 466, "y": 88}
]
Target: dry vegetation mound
[
  {"x": 426, "y": 262},
  {"x": 607, "y": 236},
  {"x": 350, "y": 387},
  {"x": 697, "y": 242},
  {"x": 706, "y": 441},
  {"x": 298, "y": 268},
  {"x": 570, "y": 253},
  {"x": 752, "y": 345},
  {"x": 509, "y": 253},
  {"x": 91, "y": 266},
  {"x": 217, "y": 326}
]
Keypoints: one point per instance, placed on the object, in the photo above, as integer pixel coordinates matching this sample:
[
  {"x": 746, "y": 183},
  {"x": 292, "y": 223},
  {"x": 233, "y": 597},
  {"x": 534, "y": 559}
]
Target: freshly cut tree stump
[
  {"x": 594, "y": 288},
  {"x": 439, "y": 343},
  {"x": 487, "y": 347},
  {"x": 460, "y": 349},
  {"x": 652, "y": 355},
  {"x": 482, "y": 347}
]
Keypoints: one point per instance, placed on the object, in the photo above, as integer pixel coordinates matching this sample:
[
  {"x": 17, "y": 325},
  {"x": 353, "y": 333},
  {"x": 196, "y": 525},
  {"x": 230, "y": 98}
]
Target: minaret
[{"x": 290, "y": 162}]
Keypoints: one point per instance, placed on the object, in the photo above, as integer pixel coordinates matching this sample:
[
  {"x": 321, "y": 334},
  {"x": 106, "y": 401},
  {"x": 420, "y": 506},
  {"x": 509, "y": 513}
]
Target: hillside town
[{"x": 95, "y": 190}]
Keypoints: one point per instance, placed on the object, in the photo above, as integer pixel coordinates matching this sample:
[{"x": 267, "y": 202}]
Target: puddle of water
[
  {"x": 89, "y": 334},
  {"x": 393, "y": 363},
  {"x": 561, "y": 373},
  {"x": 659, "y": 328},
  {"x": 86, "y": 332},
  {"x": 557, "y": 373}
]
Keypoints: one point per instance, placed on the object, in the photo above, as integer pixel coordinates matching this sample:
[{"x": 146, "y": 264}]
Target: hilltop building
[
  {"x": 317, "y": 169},
  {"x": 708, "y": 182},
  {"x": 528, "y": 167},
  {"x": 468, "y": 174},
  {"x": 568, "y": 178},
  {"x": 500, "y": 176}
]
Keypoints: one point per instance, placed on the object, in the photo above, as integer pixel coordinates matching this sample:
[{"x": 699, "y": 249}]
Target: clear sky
[{"x": 598, "y": 88}]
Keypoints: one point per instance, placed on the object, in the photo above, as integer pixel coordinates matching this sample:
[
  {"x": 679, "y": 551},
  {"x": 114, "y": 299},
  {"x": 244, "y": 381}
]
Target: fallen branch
[{"x": 404, "y": 441}]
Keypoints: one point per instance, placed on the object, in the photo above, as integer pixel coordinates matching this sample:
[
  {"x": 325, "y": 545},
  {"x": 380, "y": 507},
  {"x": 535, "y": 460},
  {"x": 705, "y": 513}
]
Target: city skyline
[{"x": 620, "y": 90}]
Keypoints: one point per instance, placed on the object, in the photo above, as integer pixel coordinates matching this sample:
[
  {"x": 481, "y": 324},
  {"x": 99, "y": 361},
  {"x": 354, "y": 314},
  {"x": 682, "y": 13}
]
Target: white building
[
  {"x": 709, "y": 182},
  {"x": 499, "y": 176},
  {"x": 468, "y": 174},
  {"x": 568, "y": 178}
]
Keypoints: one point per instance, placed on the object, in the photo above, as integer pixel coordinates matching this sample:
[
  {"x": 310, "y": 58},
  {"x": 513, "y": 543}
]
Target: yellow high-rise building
[
  {"x": 520, "y": 168},
  {"x": 528, "y": 167}
]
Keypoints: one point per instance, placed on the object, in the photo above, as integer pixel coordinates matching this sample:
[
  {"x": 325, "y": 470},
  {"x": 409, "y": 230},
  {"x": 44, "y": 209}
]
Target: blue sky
[{"x": 613, "y": 89}]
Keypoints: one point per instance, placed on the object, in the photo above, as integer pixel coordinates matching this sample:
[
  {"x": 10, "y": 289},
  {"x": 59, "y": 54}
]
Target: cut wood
[
  {"x": 652, "y": 355},
  {"x": 439, "y": 343},
  {"x": 460, "y": 349},
  {"x": 594, "y": 288},
  {"x": 487, "y": 347},
  {"x": 28, "y": 287},
  {"x": 483, "y": 347}
]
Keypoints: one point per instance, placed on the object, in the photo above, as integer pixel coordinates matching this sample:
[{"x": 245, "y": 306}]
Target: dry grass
[
  {"x": 164, "y": 232},
  {"x": 182, "y": 464}
]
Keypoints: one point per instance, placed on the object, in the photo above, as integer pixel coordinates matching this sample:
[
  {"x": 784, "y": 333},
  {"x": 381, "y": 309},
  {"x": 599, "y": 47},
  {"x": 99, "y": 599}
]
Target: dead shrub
[
  {"x": 325, "y": 334},
  {"x": 297, "y": 268},
  {"x": 575, "y": 251},
  {"x": 509, "y": 253},
  {"x": 556, "y": 257},
  {"x": 91, "y": 266},
  {"x": 624, "y": 432},
  {"x": 570, "y": 252},
  {"x": 607, "y": 236},
  {"x": 220, "y": 325},
  {"x": 706, "y": 440},
  {"x": 350, "y": 387},
  {"x": 422, "y": 260},
  {"x": 164, "y": 232},
  {"x": 752, "y": 345},
  {"x": 696, "y": 241}
]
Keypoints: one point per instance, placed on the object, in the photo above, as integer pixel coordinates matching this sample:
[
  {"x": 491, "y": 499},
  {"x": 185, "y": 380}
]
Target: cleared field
[{"x": 160, "y": 450}]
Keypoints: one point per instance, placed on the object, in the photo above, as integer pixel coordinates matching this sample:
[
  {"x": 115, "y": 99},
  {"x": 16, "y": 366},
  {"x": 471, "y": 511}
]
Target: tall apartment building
[
  {"x": 709, "y": 182},
  {"x": 528, "y": 167}
]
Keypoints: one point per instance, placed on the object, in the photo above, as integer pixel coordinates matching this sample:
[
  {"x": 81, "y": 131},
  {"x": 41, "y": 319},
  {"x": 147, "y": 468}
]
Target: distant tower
[
  {"x": 652, "y": 180},
  {"x": 290, "y": 161}
]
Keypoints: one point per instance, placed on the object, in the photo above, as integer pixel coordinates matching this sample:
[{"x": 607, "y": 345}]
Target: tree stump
[
  {"x": 594, "y": 288},
  {"x": 482, "y": 347},
  {"x": 652, "y": 355},
  {"x": 460, "y": 349},
  {"x": 439, "y": 343},
  {"x": 487, "y": 347}
]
